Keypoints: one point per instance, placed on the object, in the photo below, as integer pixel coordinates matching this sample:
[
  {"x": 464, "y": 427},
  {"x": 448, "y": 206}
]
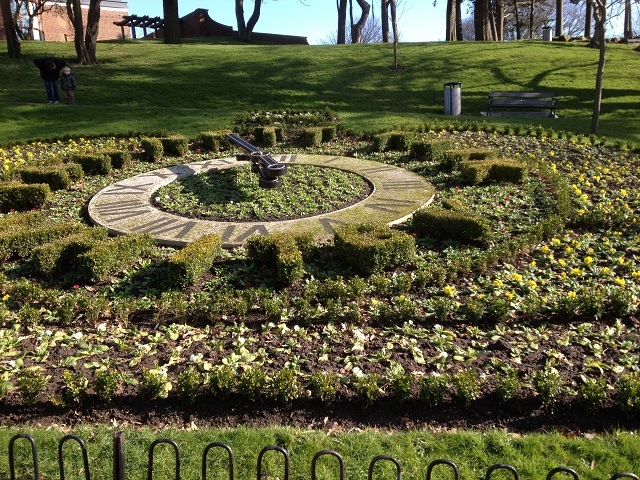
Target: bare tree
[
  {"x": 357, "y": 27},
  {"x": 246, "y": 29},
  {"x": 342, "y": 22},
  {"x": 559, "y": 18},
  {"x": 91, "y": 35},
  {"x": 74, "y": 11},
  {"x": 13, "y": 43},
  {"x": 451, "y": 32},
  {"x": 371, "y": 33},
  {"x": 171, "y": 22}
]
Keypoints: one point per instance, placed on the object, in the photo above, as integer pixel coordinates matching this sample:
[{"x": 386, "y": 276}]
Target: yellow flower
[
  {"x": 571, "y": 295},
  {"x": 533, "y": 263},
  {"x": 606, "y": 270},
  {"x": 509, "y": 295},
  {"x": 555, "y": 241},
  {"x": 620, "y": 281},
  {"x": 498, "y": 283},
  {"x": 576, "y": 271},
  {"x": 569, "y": 250},
  {"x": 544, "y": 249},
  {"x": 449, "y": 291},
  {"x": 531, "y": 284},
  {"x": 6, "y": 297},
  {"x": 517, "y": 277},
  {"x": 588, "y": 260},
  {"x": 562, "y": 262}
]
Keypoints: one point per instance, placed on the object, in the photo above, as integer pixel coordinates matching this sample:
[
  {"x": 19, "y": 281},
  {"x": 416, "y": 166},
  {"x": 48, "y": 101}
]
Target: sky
[{"x": 418, "y": 21}]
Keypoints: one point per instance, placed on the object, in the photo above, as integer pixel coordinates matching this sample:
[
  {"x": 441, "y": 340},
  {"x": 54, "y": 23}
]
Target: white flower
[
  {"x": 77, "y": 336},
  {"x": 357, "y": 372},
  {"x": 195, "y": 358},
  {"x": 102, "y": 327}
]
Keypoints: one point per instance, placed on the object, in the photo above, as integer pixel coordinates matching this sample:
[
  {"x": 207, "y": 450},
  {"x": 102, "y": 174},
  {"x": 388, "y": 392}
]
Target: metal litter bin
[
  {"x": 546, "y": 34},
  {"x": 453, "y": 98}
]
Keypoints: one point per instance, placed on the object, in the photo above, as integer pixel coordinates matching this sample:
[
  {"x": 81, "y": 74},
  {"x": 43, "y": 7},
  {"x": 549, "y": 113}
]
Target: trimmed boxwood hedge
[
  {"x": 187, "y": 265},
  {"x": 22, "y": 242},
  {"x": 450, "y": 224},
  {"x": 94, "y": 163},
  {"x": 21, "y": 196},
  {"x": 371, "y": 248}
]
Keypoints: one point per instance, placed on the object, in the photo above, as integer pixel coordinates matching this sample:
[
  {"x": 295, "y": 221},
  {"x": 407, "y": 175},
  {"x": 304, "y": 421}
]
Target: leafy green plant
[
  {"x": 106, "y": 382},
  {"x": 547, "y": 384},
  {"x": 221, "y": 381},
  {"x": 433, "y": 388},
  {"x": 153, "y": 383},
  {"x": 188, "y": 384},
  {"x": 367, "y": 388},
  {"x": 285, "y": 385},
  {"x": 75, "y": 387},
  {"x": 324, "y": 386},
  {"x": 628, "y": 392},
  {"x": 466, "y": 385},
  {"x": 252, "y": 383},
  {"x": 592, "y": 392},
  {"x": 31, "y": 383},
  {"x": 507, "y": 385},
  {"x": 401, "y": 385}
]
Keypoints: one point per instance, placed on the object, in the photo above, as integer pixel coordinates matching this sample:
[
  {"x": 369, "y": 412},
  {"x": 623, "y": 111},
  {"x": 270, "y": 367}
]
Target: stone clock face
[{"x": 125, "y": 207}]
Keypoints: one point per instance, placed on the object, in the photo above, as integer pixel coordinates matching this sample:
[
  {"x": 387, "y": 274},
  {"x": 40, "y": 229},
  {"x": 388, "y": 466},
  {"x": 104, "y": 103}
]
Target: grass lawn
[{"x": 143, "y": 86}]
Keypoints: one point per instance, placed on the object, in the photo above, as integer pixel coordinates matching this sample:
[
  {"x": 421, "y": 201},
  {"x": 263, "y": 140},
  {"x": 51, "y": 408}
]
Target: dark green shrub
[
  {"x": 312, "y": 137},
  {"x": 111, "y": 256},
  {"x": 466, "y": 385},
  {"x": 547, "y": 384},
  {"x": 285, "y": 385},
  {"x": 188, "y": 383},
  {"x": 628, "y": 392},
  {"x": 56, "y": 176},
  {"x": 507, "y": 385},
  {"x": 268, "y": 136},
  {"x": 450, "y": 224},
  {"x": 106, "y": 383},
  {"x": 453, "y": 158},
  {"x": 478, "y": 171},
  {"x": 367, "y": 388},
  {"x": 75, "y": 386},
  {"x": 252, "y": 383},
  {"x": 281, "y": 252},
  {"x": 215, "y": 140},
  {"x": 152, "y": 149},
  {"x": 187, "y": 265},
  {"x": 592, "y": 392},
  {"x": 401, "y": 384},
  {"x": 431, "y": 150},
  {"x": 153, "y": 384},
  {"x": 433, "y": 388},
  {"x": 371, "y": 248},
  {"x": 22, "y": 243},
  {"x": 396, "y": 141},
  {"x": 325, "y": 386},
  {"x": 175, "y": 145},
  {"x": 328, "y": 133},
  {"x": 59, "y": 256},
  {"x": 221, "y": 381},
  {"x": 380, "y": 142},
  {"x": 31, "y": 383},
  {"x": 21, "y": 197},
  {"x": 93, "y": 163},
  {"x": 119, "y": 158}
]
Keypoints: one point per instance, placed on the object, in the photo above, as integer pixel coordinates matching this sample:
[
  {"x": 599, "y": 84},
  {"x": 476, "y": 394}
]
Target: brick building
[{"x": 53, "y": 24}]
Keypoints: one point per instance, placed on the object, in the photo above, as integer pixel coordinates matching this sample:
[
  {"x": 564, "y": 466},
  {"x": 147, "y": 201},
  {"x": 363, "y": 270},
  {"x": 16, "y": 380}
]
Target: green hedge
[
  {"x": 282, "y": 252},
  {"x": 453, "y": 158},
  {"x": 152, "y": 149},
  {"x": 94, "y": 163},
  {"x": 505, "y": 170},
  {"x": 450, "y": 224},
  {"x": 175, "y": 145},
  {"x": 56, "y": 176},
  {"x": 59, "y": 256},
  {"x": 186, "y": 266},
  {"x": 329, "y": 133},
  {"x": 268, "y": 136},
  {"x": 397, "y": 141},
  {"x": 22, "y": 242},
  {"x": 21, "y": 197},
  {"x": 371, "y": 248},
  {"x": 430, "y": 149},
  {"x": 119, "y": 158},
  {"x": 312, "y": 137},
  {"x": 215, "y": 140},
  {"x": 112, "y": 256}
]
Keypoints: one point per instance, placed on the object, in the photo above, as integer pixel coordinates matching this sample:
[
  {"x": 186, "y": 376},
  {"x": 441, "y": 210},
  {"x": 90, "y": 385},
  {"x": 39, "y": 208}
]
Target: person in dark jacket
[
  {"x": 68, "y": 86},
  {"x": 50, "y": 73}
]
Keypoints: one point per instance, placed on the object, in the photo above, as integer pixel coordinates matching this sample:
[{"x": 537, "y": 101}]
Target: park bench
[
  {"x": 262, "y": 163},
  {"x": 522, "y": 100}
]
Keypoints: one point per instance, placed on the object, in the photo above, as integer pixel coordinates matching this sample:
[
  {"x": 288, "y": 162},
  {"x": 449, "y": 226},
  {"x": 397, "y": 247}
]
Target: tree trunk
[
  {"x": 91, "y": 35},
  {"x": 74, "y": 11},
  {"x": 560, "y": 18},
  {"x": 600, "y": 12},
  {"x": 499, "y": 20},
  {"x": 342, "y": 21},
  {"x": 450, "y": 29},
  {"x": 242, "y": 27},
  {"x": 531, "y": 12},
  {"x": 394, "y": 24},
  {"x": 356, "y": 29},
  {"x": 13, "y": 44},
  {"x": 628, "y": 29},
  {"x": 479, "y": 15},
  {"x": 171, "y": 22},
  {"x": 516, "y": 14},
  {"x": 588, "y": 19},
  {"x": 459, "y": 34},
  {"x": 384, "y": 21},
  {"x": 255, "y": 16}
]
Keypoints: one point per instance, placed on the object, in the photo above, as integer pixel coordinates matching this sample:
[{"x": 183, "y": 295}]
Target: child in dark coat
[
  {"x": 68, "y": 86},
  {"x": 50, "y": 73}
]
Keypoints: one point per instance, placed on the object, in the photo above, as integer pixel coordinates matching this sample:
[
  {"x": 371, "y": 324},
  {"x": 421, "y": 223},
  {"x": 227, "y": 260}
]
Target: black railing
[{"x": 119, "y": 471}]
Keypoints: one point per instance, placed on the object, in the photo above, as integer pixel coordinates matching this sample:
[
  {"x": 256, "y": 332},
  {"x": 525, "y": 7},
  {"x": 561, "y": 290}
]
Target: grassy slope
[{"x": 189, "y": 88}]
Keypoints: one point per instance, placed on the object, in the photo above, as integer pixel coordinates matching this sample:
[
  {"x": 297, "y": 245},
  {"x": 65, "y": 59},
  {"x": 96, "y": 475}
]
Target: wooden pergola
[{"x": 144, "y": 22}]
